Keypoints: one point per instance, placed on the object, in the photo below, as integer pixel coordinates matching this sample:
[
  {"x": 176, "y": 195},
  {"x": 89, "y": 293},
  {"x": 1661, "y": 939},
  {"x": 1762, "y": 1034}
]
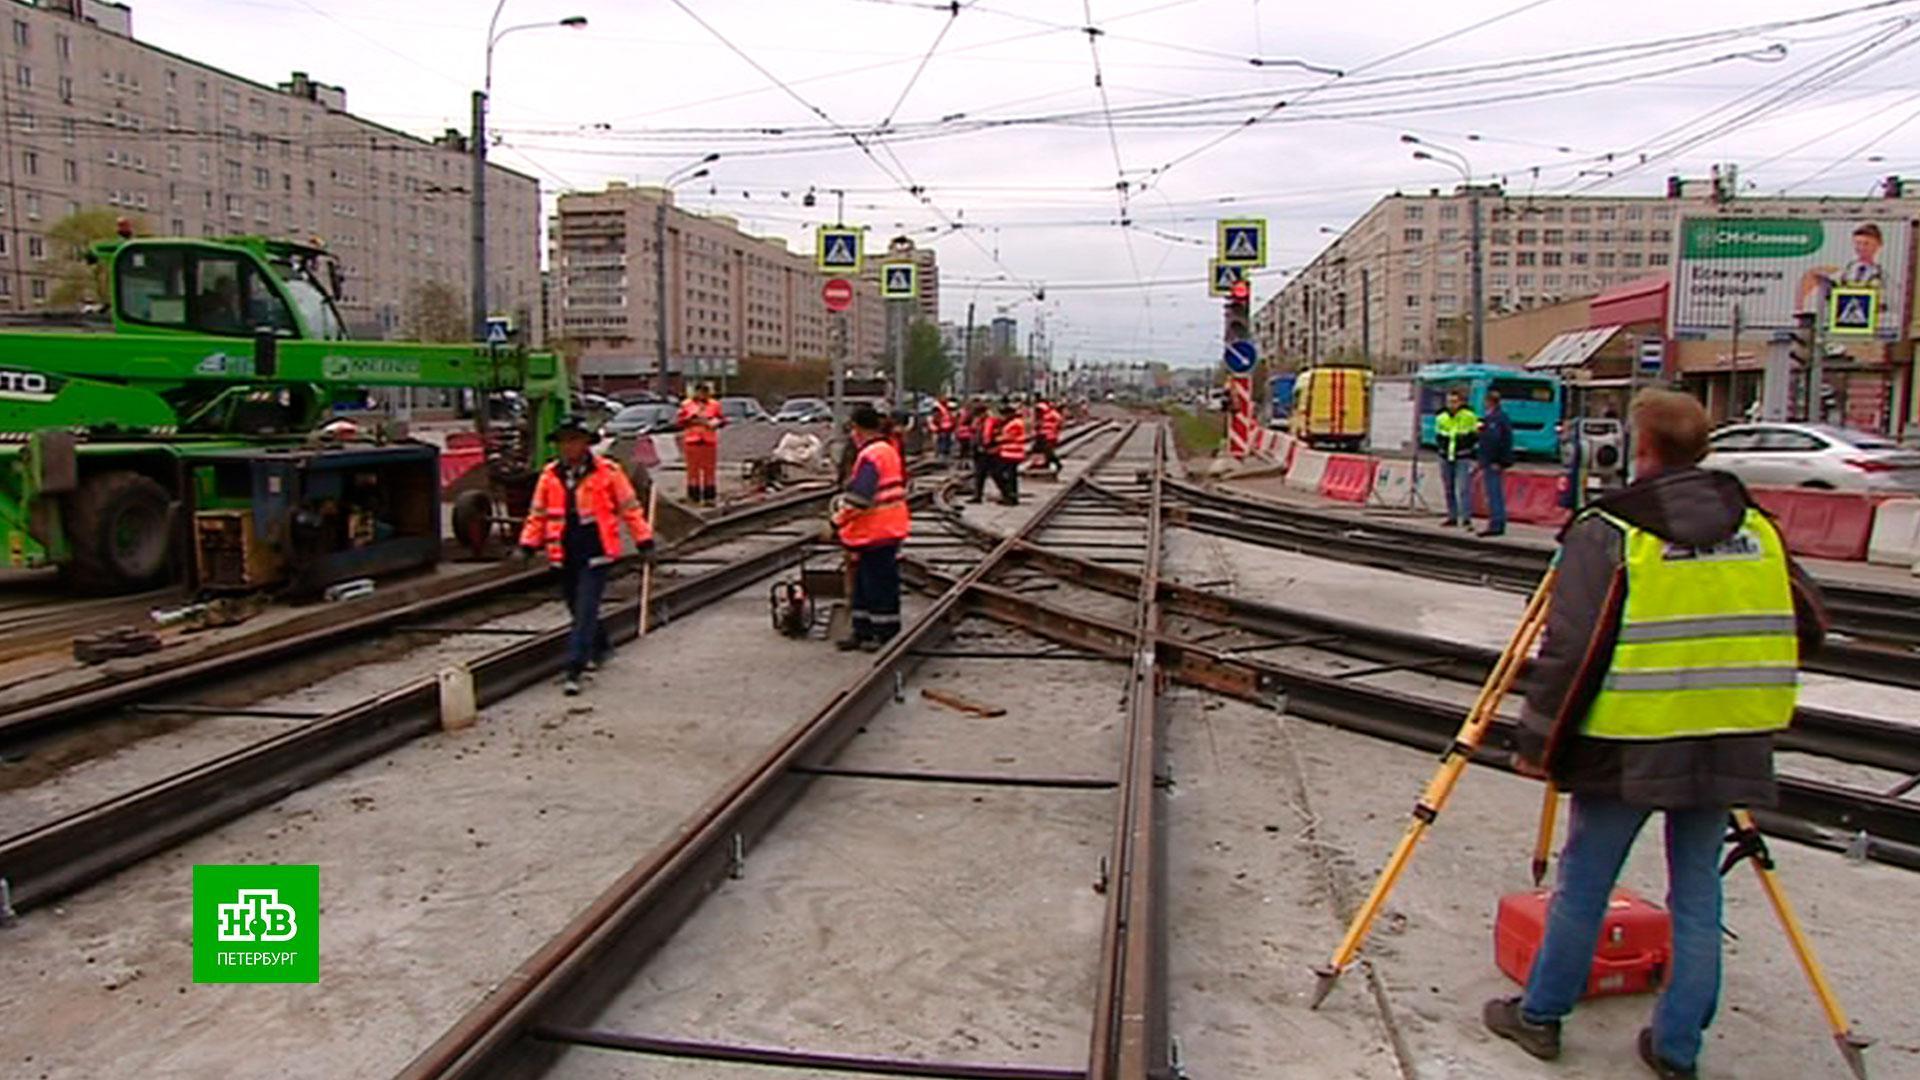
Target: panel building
[
  {"x": 730, "y": 295},
  {"x": 95, "y": 118},
  {"x": 1395, "y": 287}
]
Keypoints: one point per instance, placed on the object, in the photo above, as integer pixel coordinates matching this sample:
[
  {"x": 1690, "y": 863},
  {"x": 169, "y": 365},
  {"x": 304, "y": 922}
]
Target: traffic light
[
  {"x": 1239, "y": 322},
  {"x": 1802, "y": 346}
]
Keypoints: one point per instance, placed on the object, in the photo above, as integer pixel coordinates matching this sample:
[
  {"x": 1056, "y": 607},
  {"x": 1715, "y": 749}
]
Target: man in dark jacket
[
  {"x": 1495, "y": 451},
  {"x": 1674, "y": 633}
]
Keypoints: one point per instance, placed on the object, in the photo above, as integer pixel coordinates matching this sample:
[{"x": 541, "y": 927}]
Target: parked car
[
  {"x": 736, "y": 409},
  {"x": 1813, "y": 456},
  {"x": 645, "y": 419},
  {"x": 803, "y": 410}
]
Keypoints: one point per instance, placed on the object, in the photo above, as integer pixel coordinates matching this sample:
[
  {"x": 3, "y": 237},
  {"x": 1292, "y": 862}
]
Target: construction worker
[
  {"x": 986, "y": 460},
  {"x": 700, "y": 421},
  {"x": 1010, "y": 447},
  {"x": 943, "y": 422},
  {"x": 963, "y": 426},
  {"x": 1046, "y": 444},
  {"x": 1455, "y": 431},
  {"x": 1676, "y": 625},
  {"x": 872, "y": 520},
  {"x": 579, "y": 504}
]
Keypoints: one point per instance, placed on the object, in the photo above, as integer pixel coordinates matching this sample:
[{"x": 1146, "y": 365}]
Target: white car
[{"x": 1813, "y": 456}]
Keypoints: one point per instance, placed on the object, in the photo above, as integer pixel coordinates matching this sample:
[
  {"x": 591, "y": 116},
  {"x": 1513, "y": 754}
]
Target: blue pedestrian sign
[
  {"x": 1243, "y": 241},
  {"x": 498, "y": 327},
  {"x": 1852, "y": 310},
  {"x": 1240, "y": 356},
  {"x": 837, "y": 250},
  {"x": 899, "y": 281}
]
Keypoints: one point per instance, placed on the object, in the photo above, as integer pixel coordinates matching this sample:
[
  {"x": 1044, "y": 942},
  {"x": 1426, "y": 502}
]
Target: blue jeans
[
  {"x": 1600, "y": 831},
  {"x": 1457, "y": 478},
  {"x": 583, "y": 584},
  {"x": 1494, "y": 479}
]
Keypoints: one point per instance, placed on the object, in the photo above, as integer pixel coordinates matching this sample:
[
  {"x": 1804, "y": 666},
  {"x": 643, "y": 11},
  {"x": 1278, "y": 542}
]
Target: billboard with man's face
[{"x": 1773, "y": 269}]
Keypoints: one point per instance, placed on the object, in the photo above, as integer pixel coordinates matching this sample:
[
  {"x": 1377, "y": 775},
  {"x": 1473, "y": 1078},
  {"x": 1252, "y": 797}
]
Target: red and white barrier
[
  {"x": 1895, "y": 539},
  {"x": 1821, "y": 524},
  {"x": 1348, "y": 478},
  {"x": 1393, "y": 486},
  {"x": 1240, "y": 428},
  {"x": 1308, "y": 469},
  {"x": 455, "y": 464}
]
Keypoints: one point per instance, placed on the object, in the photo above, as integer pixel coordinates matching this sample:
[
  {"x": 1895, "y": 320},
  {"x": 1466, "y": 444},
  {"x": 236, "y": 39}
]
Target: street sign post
[
  {"x": 1222, "y": 277},
  {"x": 1243, "y": 241},
  {"x": 837, "y": 249},
  {"x": 838, "y": 294},
  {"x": 1852, "y": 310},
  {"x": 1240, "y": 357},
  {"x": 899, "y": 280},
  {"x": 1653, "y": 357}
]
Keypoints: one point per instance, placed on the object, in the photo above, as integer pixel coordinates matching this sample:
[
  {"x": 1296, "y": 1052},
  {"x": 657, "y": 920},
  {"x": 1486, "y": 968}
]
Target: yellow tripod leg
[
  {"x": 1754, "y": 849},
  {"x": 1543, "y": 841},
  {"x": 1501, "y": 679}
]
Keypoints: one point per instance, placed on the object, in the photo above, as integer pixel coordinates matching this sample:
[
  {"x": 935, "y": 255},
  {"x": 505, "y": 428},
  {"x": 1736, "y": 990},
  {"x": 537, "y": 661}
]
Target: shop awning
[{"x": 1571, "y": 349}]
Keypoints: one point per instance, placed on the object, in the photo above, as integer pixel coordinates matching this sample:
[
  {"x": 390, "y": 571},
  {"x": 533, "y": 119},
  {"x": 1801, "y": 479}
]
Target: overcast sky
[{"x": 1820, "y": 107}]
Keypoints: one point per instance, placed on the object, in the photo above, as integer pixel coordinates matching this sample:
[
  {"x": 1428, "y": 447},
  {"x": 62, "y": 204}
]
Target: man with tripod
[{"x": 1675, "y": 629}]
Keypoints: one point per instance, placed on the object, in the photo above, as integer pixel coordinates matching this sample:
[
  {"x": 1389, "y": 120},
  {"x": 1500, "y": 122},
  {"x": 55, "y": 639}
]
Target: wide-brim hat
[{"x": 574, "y": 425}]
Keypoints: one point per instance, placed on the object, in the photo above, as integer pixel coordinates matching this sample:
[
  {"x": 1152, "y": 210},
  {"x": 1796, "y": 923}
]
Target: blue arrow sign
[{"x": 1240, "y": 356}]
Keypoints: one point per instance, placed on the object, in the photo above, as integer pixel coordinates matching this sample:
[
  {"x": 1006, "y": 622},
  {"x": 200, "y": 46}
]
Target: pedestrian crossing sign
[
  {"x": 1853, "y": 310},
  {"x": 1221, "y": 277},
  {"x": 1243, "y": 241},
  {"x": 837, "y": 250},
  {"x": 899, "y": 281}
]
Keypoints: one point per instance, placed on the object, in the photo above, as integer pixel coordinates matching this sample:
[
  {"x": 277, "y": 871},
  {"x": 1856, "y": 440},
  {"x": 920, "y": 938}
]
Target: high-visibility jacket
[
  {"x": 1011, "y": 440},
  {"x": 1455, "y": 433},
  {"x": 963, "y": 427},
  {"x": 1049, "y": 423},
  {"x": 884, "y": 519},
  {"x": 989, "y": 424},
  {"x": 1706, "y": 643},
  {"x": 604, "y": 499},
  {"x": 942, "y": 417},
  {"x": 700, "y": 422}
]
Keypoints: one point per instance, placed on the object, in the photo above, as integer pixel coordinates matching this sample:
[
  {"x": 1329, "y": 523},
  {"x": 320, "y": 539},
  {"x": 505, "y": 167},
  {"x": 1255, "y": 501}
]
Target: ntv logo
[{"x": 257, "y": 915}]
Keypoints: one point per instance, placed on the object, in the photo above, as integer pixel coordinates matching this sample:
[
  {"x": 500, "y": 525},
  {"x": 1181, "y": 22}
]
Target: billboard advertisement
[{"x": 1773, "y": 269}]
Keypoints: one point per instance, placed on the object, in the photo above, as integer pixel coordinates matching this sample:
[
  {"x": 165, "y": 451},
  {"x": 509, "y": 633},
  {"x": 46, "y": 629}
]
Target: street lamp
[
  {"x": 673, "y": 179},
  {"x": 494, "y": 34},
  {"x": 1465, "y": 168}
]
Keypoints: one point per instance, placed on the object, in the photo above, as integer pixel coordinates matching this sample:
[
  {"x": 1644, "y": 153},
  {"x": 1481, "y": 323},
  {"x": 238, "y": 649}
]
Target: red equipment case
[{"x": 1636, "y": 941}]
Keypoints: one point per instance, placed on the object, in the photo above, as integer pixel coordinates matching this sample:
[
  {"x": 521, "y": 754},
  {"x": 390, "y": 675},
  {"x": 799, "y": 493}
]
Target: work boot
[
  {"x": 571, "y": 686},
  {"x": 846, "y": 644},
  {"x": 872, "y": 645},
  {"x": 1502, "y": 1017},
  {"x": 1660, "y": 1068}
]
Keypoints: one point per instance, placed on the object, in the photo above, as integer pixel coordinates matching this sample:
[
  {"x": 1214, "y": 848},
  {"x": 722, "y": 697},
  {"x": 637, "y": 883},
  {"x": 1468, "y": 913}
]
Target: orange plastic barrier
[
  {"x": 455, "y": 464},
  {"x": 465, "y": 440},
  {"x": 1349, "y": 478},
  {"x": 1821, "y": 524},
  {"x": 1534, "y": 497}
]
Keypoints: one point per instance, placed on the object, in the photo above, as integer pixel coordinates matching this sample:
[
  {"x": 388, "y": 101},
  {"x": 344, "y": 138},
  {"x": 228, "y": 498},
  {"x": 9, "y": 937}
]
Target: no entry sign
[{"x": 838, "y": 293}]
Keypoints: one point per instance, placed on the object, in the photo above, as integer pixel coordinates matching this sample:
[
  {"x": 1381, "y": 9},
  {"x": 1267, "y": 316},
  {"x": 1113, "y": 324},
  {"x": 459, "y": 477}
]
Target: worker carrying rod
[
  {"x": 700, "y": 421},
  {"x": 579, "y": 504},
  {"x": 872, "y": 520},
  {"x": 1676, "y": 627}
]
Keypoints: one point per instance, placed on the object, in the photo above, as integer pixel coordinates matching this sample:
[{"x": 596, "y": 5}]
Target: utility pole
[
  {"x": 966, "y": 354},
  {"x": 1479, "y": 291},
  {"x": 1366, "y": 316},
  {"x": 479, "y": 255},
  {"x": 660, "y": 292}
]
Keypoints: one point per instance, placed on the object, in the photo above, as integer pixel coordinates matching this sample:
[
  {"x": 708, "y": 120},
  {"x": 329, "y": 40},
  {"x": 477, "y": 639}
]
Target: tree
[
  {"x": 436, "y": 313},
  {"x": 76, "y": 282},
  {"x": 929, "y": 368}
]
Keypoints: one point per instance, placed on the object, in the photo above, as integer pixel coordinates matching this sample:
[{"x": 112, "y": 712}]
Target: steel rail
[
  {"x": 1810, "y": 811},
  {"x": 61, "y": 856},
  {"x": 1517, "y": 567},
  {"x": 515, "y": 1031},
  {"x": 1129, "y": 1039},
  {"x": 21, "y": 726}
]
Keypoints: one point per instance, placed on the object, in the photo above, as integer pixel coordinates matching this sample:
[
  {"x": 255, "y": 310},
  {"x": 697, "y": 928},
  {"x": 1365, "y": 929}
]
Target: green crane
[{"x": 180, "y": 437}]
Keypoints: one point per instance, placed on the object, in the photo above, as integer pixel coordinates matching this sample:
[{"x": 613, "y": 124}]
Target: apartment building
[
  {"x": 730, "y": 295},
  {"x": 1395, "y": 287},
  {"x": 95, "y": 118}
]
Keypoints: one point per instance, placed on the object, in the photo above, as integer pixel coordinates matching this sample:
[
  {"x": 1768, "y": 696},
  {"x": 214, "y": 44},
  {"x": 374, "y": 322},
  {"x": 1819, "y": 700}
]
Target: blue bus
[{"x": 1531, "y": 402}]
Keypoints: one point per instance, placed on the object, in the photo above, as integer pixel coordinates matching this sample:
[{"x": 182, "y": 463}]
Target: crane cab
[{"x": 234, "y": 287}]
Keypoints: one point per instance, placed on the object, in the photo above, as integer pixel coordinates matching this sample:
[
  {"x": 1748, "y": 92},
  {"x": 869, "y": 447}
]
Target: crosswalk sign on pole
[
  {"x": 899, "y": 281},
  {"x": 837, "y": 250},
  {"x": 1853, "y": 310},
  {"x": 1243, "y": 241},
  {"x": 1221, "y": 277}
]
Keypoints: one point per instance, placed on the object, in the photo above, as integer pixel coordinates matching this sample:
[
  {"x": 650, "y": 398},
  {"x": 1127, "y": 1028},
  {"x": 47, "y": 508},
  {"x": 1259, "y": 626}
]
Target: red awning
[{"x": 1642, "y": 300}]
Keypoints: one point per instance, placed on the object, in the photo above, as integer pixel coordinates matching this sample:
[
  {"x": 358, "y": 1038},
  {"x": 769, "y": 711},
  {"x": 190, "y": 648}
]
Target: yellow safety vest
[
  {"x": 1449, "y": 428},
  {"x": 1707, "y": 643}
]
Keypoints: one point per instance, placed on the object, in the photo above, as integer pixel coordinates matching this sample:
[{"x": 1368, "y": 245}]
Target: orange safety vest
[
  {"x": 988, "y": 425},
  {"x": 1049, "y": 423},
  {"x": 963, "y": 429},
  {"x": 887, "y": 520},
  {"x": 942, "y": 417},
  {"x": 1012, "y": 445},
  {"x": 700, "y": 419},
  {"x": 605, "y": 498}
]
